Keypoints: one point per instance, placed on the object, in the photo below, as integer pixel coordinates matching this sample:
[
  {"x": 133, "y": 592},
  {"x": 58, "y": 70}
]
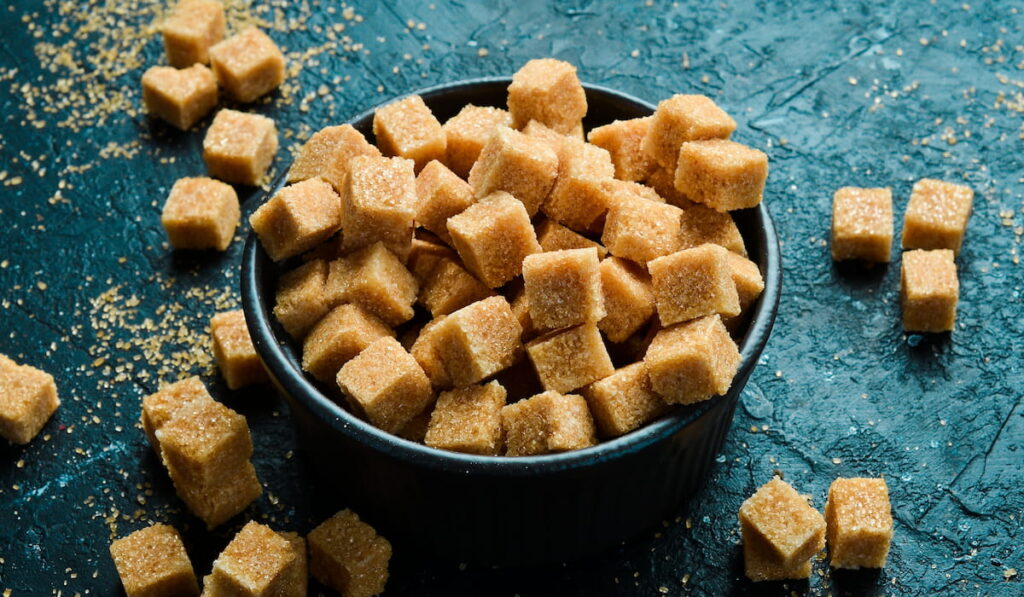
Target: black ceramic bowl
[{"x": 508, "y": 511}]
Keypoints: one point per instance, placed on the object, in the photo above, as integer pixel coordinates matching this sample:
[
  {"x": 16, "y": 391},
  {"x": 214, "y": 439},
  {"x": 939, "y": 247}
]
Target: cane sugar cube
[
  {"x": 160, "y": 407},
  {"x": 571, "y": 358},
  {"x": 623, "y": 401},
  {"x": 203, "y": 441},
  {"x": 552, "y": 236},
  {"x": 376, "y": 280},
  {"x": 623, "y": 139},
  {"x": 426, "y": 351},
  {"x": 259, "y": 562},
  {"x": 200, "y": 213},
  {"x": 761, "y": 563},
  {"x": 468, "y": 131},
  {"x": 416, "y": 429},
  {"x": 239, "y": 147},
  {"x": 301, "y": 298},
  {"x": 747, "y": 277},
  {"x": 424, "y": 256},
  {"x": 937, "y": 215},
  {"x": 701, "y": 224},
  {"x": 348, "y": 556},
  {"x": 152, "y": 562},
  {"x": 521, "y": 309},
  {"x": 338, "y": 337},
  {"x": 219, "y": 500},
  {"x": 791, "y": 530},
  {"x": 181, "y": 97},
  {"x": 624, "y": 190},
  {"x": 683, "y": 118},
  {"x": 563, "y": 288},
  {"x": 441, "y": 194},
  {"x": 386, "y": 384},
  {"x": 492, "y": 237},
  {"x": 693, "y": 283},
  {"x": 379, "y": 204},
  {"x": 546, "y": 423},
  {"x": 297, "y": 218},
  {"x": 449, "y": 287},
  {"x": 521, "y": 165},
  {"x": 248, "y": 65},
  {"x": 191, "y": 30},
  {"x": 327, "y": 154},
  {"x": 858, "y": 521},
  {"x": 641, "y": 230},
  {"x": 407, "y": 128},
  {"x": 468, "y": 420},
  {"x": 693, "y": 361},
  {"x": 28, "y": 397},
  {"x": 233, "y": 349},
  {"x": 663, "y": 182},
  {"x": 628, "y": 298},
  {"x": 862, "y": 224},
  {"x": 580, "y": 197},
  {"x": 479, "y": 340},
  {"x": 929, "y": 290},
  {"x": 559, "y": 143},
  {"x": 548, "y": 91},
  {"x": 723, "y": 175}
]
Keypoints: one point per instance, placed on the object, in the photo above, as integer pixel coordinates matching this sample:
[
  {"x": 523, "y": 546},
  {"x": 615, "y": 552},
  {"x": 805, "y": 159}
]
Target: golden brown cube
[
  {"x": 191, "y": 30},
  {"x": 425, "y": 254},
  {"x": 628, "y": 298},
  {"x": 693, "y": 361},
  {"x": 28, "y": 397},
  {"x": 181, "y": 97},
  {"x": 641, "y": 230},
  {"x": 521, "y": 309},
  {"x": 624, "y": 401},
  {"x": 386, "y": 385},
  {"x": 347, "y": 555},
  {"x": 407, "y": 128},
  {"x": 858, "y": 521},
  {"x": 570, "y": 359},
  {"x": 683, "y": 118},
  {"x": 203, "y": 441},
  {"x": 492, "y": 237},
  {"x": 152, "y": 562},
  {"x": 761, "y": 563},
  {"x": 929, "y": 290},
  {"x": 580, "y": 195},
  {"x": 546, "y": 423},
  {"x": 239, "y": 147},
  {"x": 747, "y": 277},
  {"x": 468, "y": 420},
  {"x": 468, "y": 131},
  {"x": 449, "y": 287},
  {"x": 376, "y": 280},
  {"x": 663, "y": 182},
  {"x": 200, "y": 213},
  {"x": 937, "y": 215},
  {"x": 862, "y": 224},
  {"x": 327, "y": 154},
  {"x": 301, "y": 298},
  {"x": 338, "y": 337},
  {"x": 552, "y": 236},
  {"x": 701, "y": 224},
  {"x": 479, "y": 340},
  {"x": 790, "y": 529},
  {"x": 523, "y": 166},
  {"x": 563, "y": 288},
  {"x": 259, "y": 562},
  {"x": 232, "y": 348},
  {"x": 378, "y": 204},
  {"x": 426, "y": 351},
  {"x": 160, "y": 407},
  {"x": 693, "y": 283},
  {"x": 441, "y": 194},
  {"x": 548, "y": 91},
  {"x": 219, "y": 501},
  {"x": 298, "y": 218},
  {"x": 623, "y": 139},
  {"x": 723, "y": 175},
  {"x": 248, "y": 65}
]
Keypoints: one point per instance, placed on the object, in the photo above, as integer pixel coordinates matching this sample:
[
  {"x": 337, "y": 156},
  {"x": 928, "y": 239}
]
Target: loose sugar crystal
[
  {"x": 468, "y": 131},
  {"x": 492, "y": 237},
  {"x": 376, "y": 280},
  {"x": 327, "y": 154},
  {"x": 479, "y": 340},
  {"x": 693, "y": 283},
  {"x": 259, "y": 562},
  {"x": 701, "y": 224},
  {"x": 563, "y": 288},
  {"x": 929, "y": 290},
  {"x": 468, "y": 420},
  {"x": 623, "y": 139},
  {"x": 200, "y": 213},
  {"x": 693, "y": 361},
  {"x": 571, "y": 358},
  {"x": 181, "y": 97},
  {"x": 552, "y": 236},
  {"x": 239, "y": 147},
  {"x": 937, "y": 215},
  {"x": 301, "y": 298},
  {"x": 580, "y": 197},
  {"x": 641, "y": 230},
  {"x": 386, "y": 385},
  {"x": 862, "y": 224},
  {"x": 28, "y": 397},
  {"x": 441, "y": 194},
  {"x": 191, "y": 30},
  {"x": 338, "y": 337},
  {"x": 449, "y": 287},
  {"x": 348, "y": 556},
  {"x": 248, "y": 65},
  {"x": 723, "y": 175},
  {"x": 236, "y": 356},
  {"x": 859, "y": 523},
  {"x": 781, "y": 532},
  {"x": 683, "y": 118},
  {"x": 379, "y": 204},
  {"x": 628, "y": 298},
  {"x": 159, "y": 407},
  {"x": 297, "y": 218},
  {"x": 546, "y": 423},
  {"x": 523, "y": 166},
  {"x": 152, "y": 562},
  {"x": 624, "y": 401},
  {"x": 426, "y": 351},
  {"x": 548, "y": 91},
  {"x": 407, "y": 128}
]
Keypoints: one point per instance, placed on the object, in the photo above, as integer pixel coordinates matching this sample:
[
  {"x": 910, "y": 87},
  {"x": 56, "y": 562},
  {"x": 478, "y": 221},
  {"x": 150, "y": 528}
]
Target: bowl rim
[{"x": 296, "y": 386}]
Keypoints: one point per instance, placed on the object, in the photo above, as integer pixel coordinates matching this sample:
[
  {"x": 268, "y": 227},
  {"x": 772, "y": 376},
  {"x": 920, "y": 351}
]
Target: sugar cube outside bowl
[{"x": 498, "y": 511}]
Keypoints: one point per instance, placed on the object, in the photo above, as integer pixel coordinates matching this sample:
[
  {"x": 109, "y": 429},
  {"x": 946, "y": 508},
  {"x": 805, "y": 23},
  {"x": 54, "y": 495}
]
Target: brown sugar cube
[
  {"x": 858, "y": 521},
  {"x": 862, "y": 224},
  {"x": 479, "y": 340},
  {"x": 378, "y": 204},
  {"x": 580, "y": 197},
  {"x": 628, "y": 298},
  {"x": 441, "y": 195},
  {"x": 181, "y": 97},
  {"x": 546, "y": 423},
  {"x": 723, "y": 175},
  {"x": 563, "y": 288},
  {"x": 203, "y": 441},
  {"x": 492, "y": 237},
  {"x": 548, "y": 91},
  {"x": 521, "y": 165},
  {"x": 200, "y": 213},
  {"x": 301, "y": 300},
  {"x": 701, "y": 224},
  {"x": 160, "y": 407},
  {"x": 416, "y": 429},
  {"x": 338, "y": 337},
  {"x": 449, "y": 287},
  {"x": 937, "y": 215},
  {"x": 28, "y": 397},
  {"x": 468, "y": 131},
  {"x": 929, "y": 290},
  {"x": 693, "y": 361},
  {"x": 619, "y": 190},
  {"x": 693, "y": 283},
  {"x": 191, "y": 30},
  {"x": 233, "y": 349},
  {"x": 663, "y": 182},
  {"x": 152, "y": 562},
  {"x": 624, "y": 401},
  {"x": 468, "y": 420},
  {"x": 570, "y": 359},
  {"x": 761, "y": 563},
  {"x": 407, "y": 128},
  {"x": 683, "y": 118},
  {"x": 347, "y": 555},
  {"x": 747, "y": 277},
  {"x": 239, "y": 147},
  {"x": 259, "y": 562},
  {"x": 785, "y": 529},
  {"x": 297, "y": 218},
  {"x": 426, "y": 351},
  {"x": 386, "y": 384},
  {"x": 641, "y": 230},
  {"x": 218, "y": 501},
  {"x": 552, "y": 236},
  {"x": 521, "y": 309},
  {"x": 623, "y": 139},
  {"x": 376, "y": 280},
  {"x": 327, "y": 153},
  {"x": 248, "y": 64},
  {"x": 424, "y": 255}
]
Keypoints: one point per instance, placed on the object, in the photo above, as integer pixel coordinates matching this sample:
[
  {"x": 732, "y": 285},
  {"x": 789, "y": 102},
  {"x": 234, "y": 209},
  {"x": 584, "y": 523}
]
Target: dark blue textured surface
[{"x": 837, "y": 93}]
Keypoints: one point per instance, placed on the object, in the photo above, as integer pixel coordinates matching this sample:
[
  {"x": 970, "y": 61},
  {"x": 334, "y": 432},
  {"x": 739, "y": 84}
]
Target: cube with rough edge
[
  {"x": 376, "y": 280},
  {"x": 152, "y": 562},
  {"x": 28, "y": 397},
  {"x": 337, "y": 338},
  {"x": 523, "y": 166},
  {"x": 693, "y": 283},
  {"x": 348, "y": 555},
  {"x": 416, "y": 429},
  {"x": 937, "y": 215},
  {"x": 747, "y": 277},
  {"x": 301, "y": 298},
  {"x": 378, "y": 204},
  {"x": 385, "y": 384},
  {"x": 521, "y": 309},
  {"x": 683, "y": 118},
  {"x": 623, "y": 139},
  {"x": 663, "y": 182},
  {"x": 693, "y": 361},
  {"x": 181, "y": 97},
  {"x": 203, "y": 441},
  {"x": 563, "y": 288},
  {"x": 259, "y": 562},
  {"x": 297, "y": 578},
  {"x": 624, "y": 401},
  {"x": 787, "y": 531},
  {"x": 159, "y": 407},
  {"x": 641, "y": 230},
  {"x": 580, "y": 197},
  {"x": 468, "y": 131},
  {"x": 200, "y": 213},
  {"x": 441, "y": 194},
  {"x": 191, "y": 30},
  {"x": 723, "y": 175},
  {"x": 619, "y": 190},
  {"x": 449, "y": 287},
  {"x": 492, "y": 237},
  {"x": 552, "y": 236},
  {"x": 548, "y": 91},
  {"x": 546, "y": 423},
  {"x": 426, "y": 351},
  {"x": 424, "y": 255},
  {"x": 327, "y": 154},
  {"x": 701, "y": 224},
  {"x": 628, "y": 298},
  {"x": 929, "y": 291},
  {"x": 559, "y": 143},
  {"x": 479, "y": 340},
  {"x": 239, "y": 147},
  {"x": 220, "y": 500},
  {"x": 408, "y": 129},
  {"x": 468, "y": 420},
  {"x": 858, "y": 520},
  {"x": 862, "y": 224},
  {"x": 297, "y": 218},
  {"x": 760, "y": 562},
  {"x": 234, "y": 352},
  {"x": 248, "y": 65},
  {"x": 570, "y": 359}
]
